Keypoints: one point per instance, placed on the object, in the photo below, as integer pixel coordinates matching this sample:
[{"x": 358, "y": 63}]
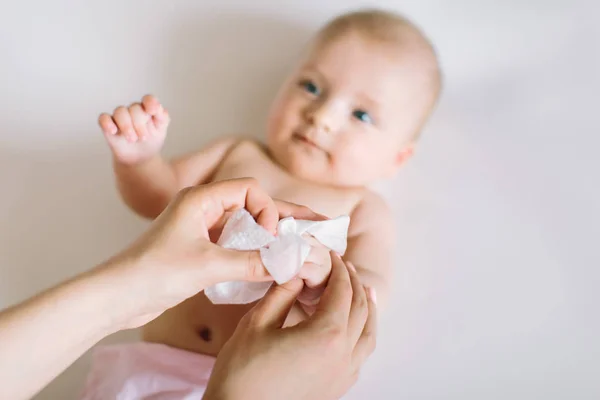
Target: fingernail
[
  {"x": 373, "y": 295},
  {"x": 351, "y": 266}
]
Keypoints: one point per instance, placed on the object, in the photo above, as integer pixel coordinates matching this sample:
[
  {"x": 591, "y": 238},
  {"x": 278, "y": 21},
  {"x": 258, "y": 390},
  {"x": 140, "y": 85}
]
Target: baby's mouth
[
  {"x": 297, "y": 137},
  {"x": 304, "y": 139}
]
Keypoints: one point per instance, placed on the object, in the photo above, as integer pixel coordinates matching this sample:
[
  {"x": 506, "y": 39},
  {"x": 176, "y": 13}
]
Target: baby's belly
[
  {"x": 203, "y": 327},
  {"x": 196, "y": 325}
]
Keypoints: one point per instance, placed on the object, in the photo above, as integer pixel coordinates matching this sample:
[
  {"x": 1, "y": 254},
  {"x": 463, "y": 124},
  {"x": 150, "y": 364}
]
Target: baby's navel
[{"x": 205, "y": 333}]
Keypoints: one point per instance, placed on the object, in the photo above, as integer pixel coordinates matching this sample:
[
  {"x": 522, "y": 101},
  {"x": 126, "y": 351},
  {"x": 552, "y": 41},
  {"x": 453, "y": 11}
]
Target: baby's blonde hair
[{"x": 390, "y": 28}]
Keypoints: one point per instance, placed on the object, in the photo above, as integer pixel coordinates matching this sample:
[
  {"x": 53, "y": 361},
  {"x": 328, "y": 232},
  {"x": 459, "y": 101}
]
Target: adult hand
[
  {"x": 175, "y": 259},
  {"x": 172, "y": 261},
  {"x": 317, "y": 359}
]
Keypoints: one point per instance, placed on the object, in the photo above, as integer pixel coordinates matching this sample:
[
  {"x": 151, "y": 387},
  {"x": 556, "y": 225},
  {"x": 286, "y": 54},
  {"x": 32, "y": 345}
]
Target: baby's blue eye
[
  {"x": 310, "y": 87},
  {"x": 362, "y": 116}
]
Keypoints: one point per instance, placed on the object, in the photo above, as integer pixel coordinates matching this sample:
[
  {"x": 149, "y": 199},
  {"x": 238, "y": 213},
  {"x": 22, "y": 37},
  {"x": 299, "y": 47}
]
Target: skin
[
  {"x": 354, "y": 123},
  {"x": 168, "y": 264},
  {"x": 343, "y": 327},
  {"x": 344, "y": 118}
]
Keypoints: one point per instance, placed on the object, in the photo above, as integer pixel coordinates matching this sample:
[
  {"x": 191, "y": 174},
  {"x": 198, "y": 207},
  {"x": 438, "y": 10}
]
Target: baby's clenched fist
[{"x": 136, "y": 133}]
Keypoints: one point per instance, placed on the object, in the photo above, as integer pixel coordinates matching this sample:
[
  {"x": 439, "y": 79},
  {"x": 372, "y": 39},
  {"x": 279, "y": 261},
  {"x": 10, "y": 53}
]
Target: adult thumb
[
  {"x": 235, "y": 265},
  {"x": 272, "y": 310}
]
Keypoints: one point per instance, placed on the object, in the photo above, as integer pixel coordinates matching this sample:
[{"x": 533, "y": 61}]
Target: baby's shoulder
[
  {"x": 247, "y": 157},
  {"x": 245, "y": 148},
  {"x": 371, "y": 211}
]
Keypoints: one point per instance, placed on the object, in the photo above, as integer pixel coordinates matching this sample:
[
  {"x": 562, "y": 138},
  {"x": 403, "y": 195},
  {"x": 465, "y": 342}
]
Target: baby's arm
[
  {"x": 148, "y": 187},
  {"x": 146, "y": 181},
  {"x": 370, "y": 244}
]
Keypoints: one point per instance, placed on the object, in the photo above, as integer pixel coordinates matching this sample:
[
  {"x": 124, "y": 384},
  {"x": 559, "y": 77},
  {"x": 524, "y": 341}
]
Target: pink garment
[{"x": 147, "y": 371}]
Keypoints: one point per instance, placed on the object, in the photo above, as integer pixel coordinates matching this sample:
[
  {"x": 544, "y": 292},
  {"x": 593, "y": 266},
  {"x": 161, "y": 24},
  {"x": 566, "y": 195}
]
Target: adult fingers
[
  {"x": 212, "y": 201},
  {"x": 359, "y": 309},
  {"x": 272, "y": 310},
  {"x": 287, "y": 209},
  {"x": 334, "y": 306},
  {"x": 367, "y": 340}
]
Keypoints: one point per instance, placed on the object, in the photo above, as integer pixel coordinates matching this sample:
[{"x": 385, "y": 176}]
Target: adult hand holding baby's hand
[
  {"x": 136, "y": 133},
  {"x": 171, "y": 262},
  {"x": 319, "y": 358},
  {"x": 314, "y": 273},
  {"x": 175, "y": 259},
  {"x": 317, "y": 266}
]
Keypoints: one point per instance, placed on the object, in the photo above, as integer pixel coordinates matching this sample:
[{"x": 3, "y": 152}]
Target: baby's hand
[
  {"x": 315, "y": 273},
  {"x": 137, "y": 133}
]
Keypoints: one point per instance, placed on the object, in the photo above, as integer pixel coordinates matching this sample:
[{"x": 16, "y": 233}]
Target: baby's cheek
[
  {"x": 349, "y": 163},
  {"x": 278, "y": 116},
  {"x": 364, "y": 160}
]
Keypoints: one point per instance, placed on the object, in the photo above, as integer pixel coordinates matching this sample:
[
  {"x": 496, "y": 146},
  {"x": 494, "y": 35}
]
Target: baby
[{"x": 347, "y": 116}]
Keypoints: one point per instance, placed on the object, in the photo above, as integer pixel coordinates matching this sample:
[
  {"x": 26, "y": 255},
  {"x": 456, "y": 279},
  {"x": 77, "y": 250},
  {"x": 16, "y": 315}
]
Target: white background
[{"x": 498, "y": 214}]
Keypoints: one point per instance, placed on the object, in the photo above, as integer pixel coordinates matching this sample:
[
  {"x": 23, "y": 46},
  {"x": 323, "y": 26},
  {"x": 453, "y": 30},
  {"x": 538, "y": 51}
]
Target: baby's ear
[
  {"x": 404, "y": 154},
  {"x": 401, "y": 157}
]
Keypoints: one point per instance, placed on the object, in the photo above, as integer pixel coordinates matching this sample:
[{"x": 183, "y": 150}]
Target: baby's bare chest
[
  {"x": 249, "y": 160},
  {"x": 197, "y": 324}
]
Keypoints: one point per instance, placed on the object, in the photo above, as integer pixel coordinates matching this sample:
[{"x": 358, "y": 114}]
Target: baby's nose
[{"x": 324, "y": 116}]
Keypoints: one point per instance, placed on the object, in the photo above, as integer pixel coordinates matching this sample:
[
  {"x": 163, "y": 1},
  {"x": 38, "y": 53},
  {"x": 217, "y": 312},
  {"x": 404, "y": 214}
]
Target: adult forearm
[{"x": 42, "y": 336}]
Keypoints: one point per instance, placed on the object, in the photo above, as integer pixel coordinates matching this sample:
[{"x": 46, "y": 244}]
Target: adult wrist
[{"x": 119, "y": 293}]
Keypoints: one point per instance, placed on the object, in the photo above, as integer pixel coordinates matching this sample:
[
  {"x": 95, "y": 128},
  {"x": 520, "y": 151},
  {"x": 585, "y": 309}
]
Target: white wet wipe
[{"x": 283, "y": 255}]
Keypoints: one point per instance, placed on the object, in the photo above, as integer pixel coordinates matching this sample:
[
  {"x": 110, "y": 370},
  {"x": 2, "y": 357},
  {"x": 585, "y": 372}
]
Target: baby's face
[{"x": 346, "y": 116}]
